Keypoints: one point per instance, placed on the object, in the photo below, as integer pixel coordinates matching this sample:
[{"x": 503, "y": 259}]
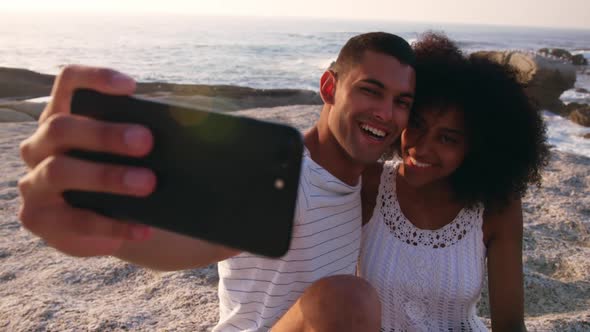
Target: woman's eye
[
  {"x": 404, "y": 104},
  {"x": 448, "y": 139}
]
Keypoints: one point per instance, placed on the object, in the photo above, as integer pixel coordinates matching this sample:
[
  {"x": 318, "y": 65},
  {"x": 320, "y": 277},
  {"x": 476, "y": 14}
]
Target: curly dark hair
[{"x": 506, "y": 134}]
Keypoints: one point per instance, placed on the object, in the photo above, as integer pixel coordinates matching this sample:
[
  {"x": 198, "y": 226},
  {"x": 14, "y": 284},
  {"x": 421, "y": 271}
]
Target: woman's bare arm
[{"x": 503, "y": 233}]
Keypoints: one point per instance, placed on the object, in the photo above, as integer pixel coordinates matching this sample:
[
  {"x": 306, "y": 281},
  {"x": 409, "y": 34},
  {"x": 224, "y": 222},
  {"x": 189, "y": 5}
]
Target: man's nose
[
  {"x": 390, "y": 113},
  {"x": 384, "y": 111}
]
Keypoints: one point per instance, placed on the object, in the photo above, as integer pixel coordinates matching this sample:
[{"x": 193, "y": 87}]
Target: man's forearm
[{"x": 167, "y": 251}]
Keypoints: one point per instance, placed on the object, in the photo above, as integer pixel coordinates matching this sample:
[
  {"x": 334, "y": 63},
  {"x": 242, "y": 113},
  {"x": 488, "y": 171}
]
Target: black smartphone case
[{"x": 221, "y": 178}]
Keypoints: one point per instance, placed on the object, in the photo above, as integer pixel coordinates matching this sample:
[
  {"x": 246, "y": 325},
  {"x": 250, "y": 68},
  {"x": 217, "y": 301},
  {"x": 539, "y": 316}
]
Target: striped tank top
[
  {"x": 427, "y": 280},
  {"x": 254, "y": 292}
]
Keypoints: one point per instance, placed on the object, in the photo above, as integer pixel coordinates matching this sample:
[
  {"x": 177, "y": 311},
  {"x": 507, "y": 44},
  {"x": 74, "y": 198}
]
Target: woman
[{"x": 472, "y": 146}]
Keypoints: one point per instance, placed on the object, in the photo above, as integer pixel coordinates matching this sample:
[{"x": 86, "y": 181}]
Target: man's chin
[
  {"x": 366, "y": 159},
  {"x": 370, "y": 153}
]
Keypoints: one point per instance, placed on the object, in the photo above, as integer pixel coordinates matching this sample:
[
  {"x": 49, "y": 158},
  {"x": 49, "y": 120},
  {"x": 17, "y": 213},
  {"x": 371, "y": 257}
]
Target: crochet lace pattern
[{"x": 405, "y": 231}]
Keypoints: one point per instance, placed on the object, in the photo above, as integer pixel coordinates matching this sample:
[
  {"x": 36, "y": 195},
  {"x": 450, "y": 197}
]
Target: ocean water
[
  {"x": 255, "y": 52},
  {"x": 567, "y": 136}
]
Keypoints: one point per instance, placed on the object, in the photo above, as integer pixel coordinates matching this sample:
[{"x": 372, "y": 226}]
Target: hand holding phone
[{"x": 222, "y": 178}]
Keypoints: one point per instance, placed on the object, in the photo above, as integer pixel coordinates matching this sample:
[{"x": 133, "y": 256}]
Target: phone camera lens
[{"x": 279, "y": 184}]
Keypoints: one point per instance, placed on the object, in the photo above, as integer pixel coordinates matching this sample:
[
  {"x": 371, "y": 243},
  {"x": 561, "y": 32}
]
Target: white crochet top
[{"x": 427, "y": 280}]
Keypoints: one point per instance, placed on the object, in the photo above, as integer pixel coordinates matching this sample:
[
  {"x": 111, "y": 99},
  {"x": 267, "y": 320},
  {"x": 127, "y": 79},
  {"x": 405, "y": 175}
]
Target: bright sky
[{"x": 549, "y": 13}]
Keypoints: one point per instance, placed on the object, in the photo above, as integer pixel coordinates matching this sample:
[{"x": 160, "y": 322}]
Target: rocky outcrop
[
  {"x": 545, "y": 79},
  {"x": 8, "y": 115},
  {"x": 581, "y": 116},
  {"x": 569, "y": 108},
  {"x": 562, "y": 54},
  {"x": 24, "y": 84},
  {"x": 29, "y": 108},
  {"x": 19, "y": 84},
  {"x": 579, "y": 60},
  {"x": 577, "y": 112},
  {"x": 233, "y": 98}
]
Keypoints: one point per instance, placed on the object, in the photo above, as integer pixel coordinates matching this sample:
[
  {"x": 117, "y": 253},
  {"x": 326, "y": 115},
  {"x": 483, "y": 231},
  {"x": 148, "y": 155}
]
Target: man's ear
[{"x": 328, "y": 87}]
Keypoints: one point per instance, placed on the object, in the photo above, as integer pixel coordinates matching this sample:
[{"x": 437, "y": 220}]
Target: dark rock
[
  {"x": 579, "y": 60},
  {"x": 8, "y": 115},
  {"x": 226, "y": 91},
  {"x": 587, "y": 136},
  {"x": 582, "y": 90},
  {"x": 32, "y": 109},
  {"x": 24, "y": 84},
  {"x": 569, "y": 108},
  {"x": 556, "y": 52},
  {"x": 581, "y": 116},
  {"x": 227, "y": 97}
]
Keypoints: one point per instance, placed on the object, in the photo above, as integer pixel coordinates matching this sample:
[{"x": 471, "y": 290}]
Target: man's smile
[{"x": 374, "y": 132}]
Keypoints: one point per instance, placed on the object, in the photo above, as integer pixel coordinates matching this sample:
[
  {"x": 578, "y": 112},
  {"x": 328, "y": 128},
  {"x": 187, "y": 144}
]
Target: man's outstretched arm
[
  {"x": 51, "y": 171},
  {"x": 167, "y": 251}
]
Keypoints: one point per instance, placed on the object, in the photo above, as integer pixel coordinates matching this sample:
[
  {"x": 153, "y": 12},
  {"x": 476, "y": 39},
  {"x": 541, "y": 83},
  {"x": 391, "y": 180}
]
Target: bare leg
[{"x": 337, "y": 303}]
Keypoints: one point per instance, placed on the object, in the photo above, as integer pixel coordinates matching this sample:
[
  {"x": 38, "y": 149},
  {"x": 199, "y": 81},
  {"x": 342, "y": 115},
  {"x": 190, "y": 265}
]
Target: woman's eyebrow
[{"x": 454, "y": 131}]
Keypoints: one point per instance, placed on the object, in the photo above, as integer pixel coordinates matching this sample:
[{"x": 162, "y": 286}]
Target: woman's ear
[{"x": 328, "y": 86}]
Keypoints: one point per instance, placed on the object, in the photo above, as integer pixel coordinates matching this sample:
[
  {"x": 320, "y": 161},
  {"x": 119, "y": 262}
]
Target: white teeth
[
  {"x": 419, "y": 164},
  {"x": 374, "y": 131}
]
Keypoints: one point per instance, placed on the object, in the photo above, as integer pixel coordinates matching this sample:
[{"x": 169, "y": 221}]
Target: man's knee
[
  {"x": 344, "y": 289},
  {"x": 342, "y": 303}
]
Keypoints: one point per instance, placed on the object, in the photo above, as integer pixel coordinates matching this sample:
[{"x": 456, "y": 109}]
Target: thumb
[{"x": 82, "y": 77}]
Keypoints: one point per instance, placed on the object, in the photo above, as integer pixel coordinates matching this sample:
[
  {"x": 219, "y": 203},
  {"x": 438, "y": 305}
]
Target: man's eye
[{"x": 369, "y": 91}]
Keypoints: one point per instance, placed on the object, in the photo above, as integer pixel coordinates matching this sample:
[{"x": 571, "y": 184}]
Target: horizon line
[{"x": 332, "y": 18}]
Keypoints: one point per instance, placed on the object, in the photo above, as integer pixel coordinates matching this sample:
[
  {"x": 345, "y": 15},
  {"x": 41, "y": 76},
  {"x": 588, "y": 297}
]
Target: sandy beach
[{"x": 43, "y": 290}]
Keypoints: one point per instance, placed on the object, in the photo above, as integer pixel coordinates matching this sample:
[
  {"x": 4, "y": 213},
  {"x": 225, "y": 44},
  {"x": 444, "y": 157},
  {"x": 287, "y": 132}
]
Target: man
[{"x": 367, "y": 98}]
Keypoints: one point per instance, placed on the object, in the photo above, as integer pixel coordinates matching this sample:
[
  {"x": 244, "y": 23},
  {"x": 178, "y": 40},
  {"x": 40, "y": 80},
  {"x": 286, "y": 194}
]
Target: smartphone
[{"x": 222, "y": 178}]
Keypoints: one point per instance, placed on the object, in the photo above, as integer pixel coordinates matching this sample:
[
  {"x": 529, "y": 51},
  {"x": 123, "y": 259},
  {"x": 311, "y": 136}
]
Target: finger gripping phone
[{"x": 222, "y": 178}]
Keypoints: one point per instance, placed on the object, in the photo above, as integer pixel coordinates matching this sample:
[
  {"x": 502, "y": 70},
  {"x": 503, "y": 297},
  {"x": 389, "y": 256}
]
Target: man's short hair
[{"x": 381, "y": 42}]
